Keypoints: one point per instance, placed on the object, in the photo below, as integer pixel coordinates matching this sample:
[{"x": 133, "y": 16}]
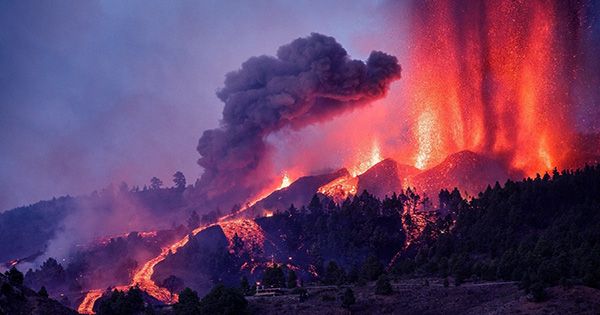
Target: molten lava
[
  {"x": 340, "y": 188},
  {"x": 143, "y": 277},
  {"x": 366, "y": 161},
  {"x": 346, "y": 186},
  {"x": 87, "y": 305},
  {"x": 248, "y": 231},
  {"x": 493, "y": 77},
  {"x": 285, "y": 181}
]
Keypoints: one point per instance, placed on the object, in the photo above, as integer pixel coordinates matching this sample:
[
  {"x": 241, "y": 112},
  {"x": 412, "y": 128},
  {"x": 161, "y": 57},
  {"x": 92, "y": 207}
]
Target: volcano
[
  {"x": 385, "y": 178},
  {"x": 468, "y": 171},
  {"x": 298, "y": 193}
]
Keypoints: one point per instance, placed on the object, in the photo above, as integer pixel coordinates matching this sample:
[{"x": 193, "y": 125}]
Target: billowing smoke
[{"x": 311, "y": 80}]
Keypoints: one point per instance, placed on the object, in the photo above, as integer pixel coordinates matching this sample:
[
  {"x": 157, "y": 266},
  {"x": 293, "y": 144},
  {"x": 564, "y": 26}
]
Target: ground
[{"x": 416, "y": 297}]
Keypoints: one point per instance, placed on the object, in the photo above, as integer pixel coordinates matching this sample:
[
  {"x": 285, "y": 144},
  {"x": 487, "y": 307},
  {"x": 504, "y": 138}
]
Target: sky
[{"x": 99, "y": 92}]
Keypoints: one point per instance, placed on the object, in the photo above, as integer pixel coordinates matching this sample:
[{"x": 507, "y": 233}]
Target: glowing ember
[
  {"x": 425, "y": 139},
  {"x": 492, "y": 77},
  {"x": 12, "y": 263}
]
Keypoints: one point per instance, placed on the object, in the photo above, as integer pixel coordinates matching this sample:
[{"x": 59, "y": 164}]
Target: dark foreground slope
[
  {"x": 412, "y": 297},
  {"x": 16, "y": 299},
  {"x": 541, "y": 232}
]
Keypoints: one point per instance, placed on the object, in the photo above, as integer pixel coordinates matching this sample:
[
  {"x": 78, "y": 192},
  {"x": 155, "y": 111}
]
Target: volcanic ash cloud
[{"x": 310, "y": 80}]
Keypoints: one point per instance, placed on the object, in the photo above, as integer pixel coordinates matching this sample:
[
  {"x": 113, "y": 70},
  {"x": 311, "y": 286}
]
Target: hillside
[
  {"x": 16, "y": 299},
  {"x": 414, "y": 297}
]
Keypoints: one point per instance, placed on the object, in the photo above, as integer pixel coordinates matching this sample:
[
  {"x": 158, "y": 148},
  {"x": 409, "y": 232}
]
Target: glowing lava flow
[
  {"x": 340, "y": 188},
  {"x": 86, "y": 307},
  {"x": 346, "y": 186},
  {"x": 143, "y": 277},
  {"x": 248, "y": 231}
]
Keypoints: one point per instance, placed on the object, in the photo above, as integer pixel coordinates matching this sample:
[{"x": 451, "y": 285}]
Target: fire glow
[
  {"x": 346, "y": 186},
  {"x": 492, "y": 78}
]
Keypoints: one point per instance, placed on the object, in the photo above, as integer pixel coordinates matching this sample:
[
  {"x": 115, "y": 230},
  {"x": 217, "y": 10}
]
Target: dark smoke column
[{"x": 311, "y": 80}]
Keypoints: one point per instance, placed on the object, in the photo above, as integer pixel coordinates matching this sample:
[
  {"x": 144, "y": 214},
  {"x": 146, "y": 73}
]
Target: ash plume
[{"x": 310, "y": 80}]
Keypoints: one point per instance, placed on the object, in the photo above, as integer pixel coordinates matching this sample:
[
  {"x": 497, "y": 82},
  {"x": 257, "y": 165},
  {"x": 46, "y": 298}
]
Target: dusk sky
[{"x": 94, "y": 92}]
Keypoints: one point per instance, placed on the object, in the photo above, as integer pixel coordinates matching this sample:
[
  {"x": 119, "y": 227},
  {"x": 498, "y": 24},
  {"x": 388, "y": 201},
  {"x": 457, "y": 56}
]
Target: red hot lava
[{"x": 493, "y": 77}]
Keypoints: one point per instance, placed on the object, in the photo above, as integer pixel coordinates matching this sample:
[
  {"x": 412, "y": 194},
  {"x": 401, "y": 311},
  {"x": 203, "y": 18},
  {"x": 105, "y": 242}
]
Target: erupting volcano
[
  {"x": 496, "y": 77},
  {"x": 327, "y": 168}
]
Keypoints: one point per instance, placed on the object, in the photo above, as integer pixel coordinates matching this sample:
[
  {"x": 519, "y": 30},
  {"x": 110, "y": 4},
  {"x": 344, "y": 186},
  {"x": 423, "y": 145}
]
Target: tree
[
  {"x": 237, "y": 243},
  {"x": 334, "y": 274},
  {"x": 15, "y": 277},
  {"x": 372, "y": 268},
  {"x": 223, "y": 300},
  {"x": 348, "y": 298},
  {"x": 188, "y": 304},
  {"x": 193, "y": 221},
  {"x": 122, "y": 303},
  {"x": 42, "y": 292},
  {"x": 173, "y": 284},
  {"x": 383, "y": 286},
  {"x": 274, "y": 277},
  {"x": 245, "y": 286},
  {"x": 315, "y": 205},
  {"x": 292, "y": 279},
  {"x": 6, "y": 289},
  {"x": 155, "y": 183},
  {"x": 179, "y": 181}
]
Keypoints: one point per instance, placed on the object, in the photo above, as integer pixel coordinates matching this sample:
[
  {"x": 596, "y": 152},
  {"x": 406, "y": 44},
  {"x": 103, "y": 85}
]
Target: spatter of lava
[{"x": 494, "y": 77}]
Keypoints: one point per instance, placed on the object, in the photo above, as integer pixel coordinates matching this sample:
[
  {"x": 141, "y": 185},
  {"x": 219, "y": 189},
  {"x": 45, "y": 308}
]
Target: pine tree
[
  {"x": 292, "y": 279},
  {"x": 42, "y": 292},
  {"x": 245, "y": 286},
  {"x": 15, "y": 277}
]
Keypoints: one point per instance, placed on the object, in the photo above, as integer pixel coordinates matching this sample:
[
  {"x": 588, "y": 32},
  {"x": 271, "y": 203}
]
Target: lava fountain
[{"x": 493, "y": 77}]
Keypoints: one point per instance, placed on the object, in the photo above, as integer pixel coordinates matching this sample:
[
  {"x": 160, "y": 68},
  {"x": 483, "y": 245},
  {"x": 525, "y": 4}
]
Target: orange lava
[
  {"x": 491, "y": 77},
  {"x": 143, "y": 277},
  {"x": 346, "y": 186},
  {"x": 340, "y": 188},
  {"x": 285, "y": 181},
  {"x": 365, "y": 161},
  {"x": 248, "y": 231},
  {"x": 87, "y": 305}
]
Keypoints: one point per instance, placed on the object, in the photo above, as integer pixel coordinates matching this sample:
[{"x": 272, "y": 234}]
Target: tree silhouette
[
  {"x": 15, "y": 277},
  {"x": 179, "y": 181},
  {"x": 193, "y": 221},
  {"x": 155, "y": 183}
]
